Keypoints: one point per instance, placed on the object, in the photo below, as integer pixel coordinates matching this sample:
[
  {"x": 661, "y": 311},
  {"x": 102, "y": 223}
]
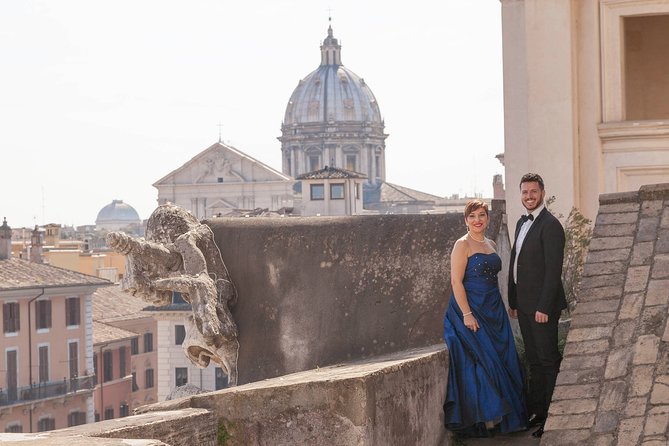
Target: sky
[{"x": 100, "y": 99}]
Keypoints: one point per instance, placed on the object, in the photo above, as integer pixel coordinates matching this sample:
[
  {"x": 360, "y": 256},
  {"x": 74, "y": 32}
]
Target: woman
[{"x": 485, "y": 383}]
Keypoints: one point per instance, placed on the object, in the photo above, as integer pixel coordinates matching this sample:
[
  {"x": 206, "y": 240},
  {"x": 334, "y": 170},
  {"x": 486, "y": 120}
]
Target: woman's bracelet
[{"x": 466, "y": 314}]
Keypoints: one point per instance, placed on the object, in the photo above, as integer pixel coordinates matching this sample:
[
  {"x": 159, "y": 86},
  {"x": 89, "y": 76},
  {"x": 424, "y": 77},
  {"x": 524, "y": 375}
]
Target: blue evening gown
[{"x": 485, "y": 378}]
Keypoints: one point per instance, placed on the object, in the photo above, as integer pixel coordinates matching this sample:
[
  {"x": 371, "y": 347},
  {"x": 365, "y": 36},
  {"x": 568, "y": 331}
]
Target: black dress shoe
[
  {"x": 538, "y": 433},
  {"x": 536, "y": 420}
]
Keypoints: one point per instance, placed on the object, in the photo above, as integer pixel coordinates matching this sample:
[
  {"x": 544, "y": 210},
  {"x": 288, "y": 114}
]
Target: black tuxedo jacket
[{"x": 539, "y": 282}]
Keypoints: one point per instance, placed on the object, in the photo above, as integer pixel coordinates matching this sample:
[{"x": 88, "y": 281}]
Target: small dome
[{"x": 117, "y": 212}]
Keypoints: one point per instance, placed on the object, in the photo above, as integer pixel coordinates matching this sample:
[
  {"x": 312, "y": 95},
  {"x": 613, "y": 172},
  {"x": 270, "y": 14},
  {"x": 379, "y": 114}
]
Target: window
[
  {"x": 377, "y": 166},
  {"x": 148, "y": 378},
  {"x": 221, "y": 379},
  {"x": 76, "y": 418},
  {"x": 43, "y": 314},
  {"x": 314, "y": 162},
  {"x": 43, "y": 352},
  {"x": 72, "y": 311},
  {"x": 357, "y": 191},
  {"x": 134, "y": 346},
  {"x": 46, "y": 424},
  {"x": 14, "y": 428},
  {"x": 181, "y": 376},
  {"x": 109, "y": 413},
  {"x": 177, "y": 298},
  {"x": 108, "y": 366},
  {"x": 135, "y": 387},
  {"x": 219, "y": 179},
  {"x": 12, "y": 375},
  {"x": 148, "y": 342},
  {"x": 10, "y": 317},
  {"x": 179, "y": 334},
  {"x": 123, "y": 410},
  {"x": 97, "y": 416},
  {"x": 336, "y": 191},
  {"x": 121, "y": 361},
  {"x": 95, "y": 366},
  {"x": 351, "y": 162},
  {"x": 317, "y": 192},
  {"x": 73, "y": 348}
]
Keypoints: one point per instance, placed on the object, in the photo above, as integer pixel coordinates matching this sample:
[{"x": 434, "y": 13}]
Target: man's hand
[
  {"x": 540, "y": 317},
  {"x": 513, "y": 313}
]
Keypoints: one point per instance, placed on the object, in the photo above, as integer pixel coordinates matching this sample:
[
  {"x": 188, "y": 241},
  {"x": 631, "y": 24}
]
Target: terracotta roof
[
  {"x": 112, "y": 304},
  {"x": 17, "y": 274},
  {"x": 330, "y": 173},
  {"x": 107, "y": 333},
  {"x": 395, "y": 192}
]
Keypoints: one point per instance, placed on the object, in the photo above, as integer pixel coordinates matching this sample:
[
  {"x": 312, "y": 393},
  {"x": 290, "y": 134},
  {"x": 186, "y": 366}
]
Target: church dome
[
  {"x": 332, "y": 93},
  {"x": 115, "y": 215}
]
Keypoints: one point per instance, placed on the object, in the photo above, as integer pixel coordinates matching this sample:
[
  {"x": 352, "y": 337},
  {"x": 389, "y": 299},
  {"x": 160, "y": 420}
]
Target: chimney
[
  {"x": 5, "y": 241},
  {"x": 498, "y": 187},
  {"x": 36, "y": 246}
]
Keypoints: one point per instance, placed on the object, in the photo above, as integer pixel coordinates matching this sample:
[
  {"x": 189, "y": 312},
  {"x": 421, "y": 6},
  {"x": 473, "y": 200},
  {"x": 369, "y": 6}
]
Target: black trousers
[{"x": 543, "y": 357}]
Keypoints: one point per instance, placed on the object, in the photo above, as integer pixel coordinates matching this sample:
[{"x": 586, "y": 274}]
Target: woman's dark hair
[{"x": 473, "y": 205}]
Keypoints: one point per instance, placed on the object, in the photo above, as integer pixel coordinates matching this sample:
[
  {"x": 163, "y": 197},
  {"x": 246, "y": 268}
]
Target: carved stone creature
[{"x": 179, "y": 254}]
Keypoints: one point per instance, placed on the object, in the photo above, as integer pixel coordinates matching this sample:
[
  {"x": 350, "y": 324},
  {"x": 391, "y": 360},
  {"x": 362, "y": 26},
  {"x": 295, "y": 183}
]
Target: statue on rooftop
[{"x": 179, "y": 254}]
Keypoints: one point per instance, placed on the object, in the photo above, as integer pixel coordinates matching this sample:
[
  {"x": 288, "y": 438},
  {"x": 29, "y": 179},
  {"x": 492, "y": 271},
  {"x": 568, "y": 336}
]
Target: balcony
[{"x": 51, "y": 389}]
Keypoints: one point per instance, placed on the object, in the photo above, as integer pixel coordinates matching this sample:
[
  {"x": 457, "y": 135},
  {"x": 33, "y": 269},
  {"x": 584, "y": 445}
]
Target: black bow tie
[{"x": 527, "y": 217}]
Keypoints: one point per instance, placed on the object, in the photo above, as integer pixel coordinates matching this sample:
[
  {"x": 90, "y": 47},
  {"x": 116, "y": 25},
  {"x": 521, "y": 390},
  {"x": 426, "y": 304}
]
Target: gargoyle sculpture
[{"x": 179, "y": 254}]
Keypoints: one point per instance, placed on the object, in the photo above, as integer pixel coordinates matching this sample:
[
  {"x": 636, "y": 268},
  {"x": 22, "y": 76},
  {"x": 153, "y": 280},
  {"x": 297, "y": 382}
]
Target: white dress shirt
[{"x": 524, "y": 229}]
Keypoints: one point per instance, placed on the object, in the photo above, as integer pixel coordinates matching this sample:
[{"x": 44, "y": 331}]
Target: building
[
  {"x": 586, "y": 97},
  {"x": 119, "y": 216},
  {"x": 46, "y": 346},
  {"x": 331, "y": 191},
  {"x": 221, "y": 180},
  {"x": 333, "y": 119}
]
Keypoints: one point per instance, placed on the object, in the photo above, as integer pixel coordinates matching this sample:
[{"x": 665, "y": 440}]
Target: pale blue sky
[{"x": 99, "y": 99}]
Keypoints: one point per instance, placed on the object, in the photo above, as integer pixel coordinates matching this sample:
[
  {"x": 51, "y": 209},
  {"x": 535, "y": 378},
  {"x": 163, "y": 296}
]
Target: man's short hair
[
  {"x": 532, "y": 177},
  {"x": 475, "y": 204}
]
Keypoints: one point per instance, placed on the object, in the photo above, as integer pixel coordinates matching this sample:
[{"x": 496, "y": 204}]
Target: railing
[{"x": 38, "y": 391}]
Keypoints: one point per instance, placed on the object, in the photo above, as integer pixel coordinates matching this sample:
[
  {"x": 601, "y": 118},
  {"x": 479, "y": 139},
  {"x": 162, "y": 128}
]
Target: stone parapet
[{"x": 613, "y": 386}]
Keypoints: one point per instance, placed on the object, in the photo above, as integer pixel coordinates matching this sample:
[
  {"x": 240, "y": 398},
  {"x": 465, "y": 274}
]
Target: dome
[
  {"x": 117, "y": 212},
  {"x": 332, "y": 93}
]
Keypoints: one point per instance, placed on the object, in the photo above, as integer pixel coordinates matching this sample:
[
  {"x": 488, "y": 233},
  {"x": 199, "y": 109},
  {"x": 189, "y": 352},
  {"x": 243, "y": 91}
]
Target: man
[{"x": 536, "y": 295}]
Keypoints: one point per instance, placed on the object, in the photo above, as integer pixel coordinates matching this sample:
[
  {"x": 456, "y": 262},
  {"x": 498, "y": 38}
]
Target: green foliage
[
  {"x": 222, "y": 434},
  {"x": 578, "y": 233}
]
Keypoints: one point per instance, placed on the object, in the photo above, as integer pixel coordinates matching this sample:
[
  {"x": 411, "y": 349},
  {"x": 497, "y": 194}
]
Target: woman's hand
[{"x": 471, "y": 322}]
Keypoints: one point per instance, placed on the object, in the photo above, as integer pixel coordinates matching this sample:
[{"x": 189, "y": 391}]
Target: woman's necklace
[{"x": 475, "y": 239}]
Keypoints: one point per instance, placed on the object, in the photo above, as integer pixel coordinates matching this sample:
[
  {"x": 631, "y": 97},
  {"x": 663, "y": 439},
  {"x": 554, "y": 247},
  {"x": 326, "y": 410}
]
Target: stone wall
[
  {"x": 613, "y": 386},
  {"x": 322, "y": 290}
]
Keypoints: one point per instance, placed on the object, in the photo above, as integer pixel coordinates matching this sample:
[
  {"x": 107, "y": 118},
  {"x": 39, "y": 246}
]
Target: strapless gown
[{"x": 485, "y": 378}]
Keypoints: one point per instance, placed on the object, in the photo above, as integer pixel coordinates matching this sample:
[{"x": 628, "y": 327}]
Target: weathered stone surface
[
  {"x": 606, "y": 422},
  {"x": 613, "y": 396},
  {"x": 652, "y": 321},
  {"x": 646, "y": 349},
  {"x": 660, "y": 393},
  {"x": 603, "y": 440},
  {"x": 642, "y": 380},
  {"x": 609, "y": 255},
  {"x": 586, "y": 347},
  {"x": 610, "y": 280},
  {"x": 623, "y": 333},
  {"x": 599, "y": 243},
  {"x": 657, "y": 293},
  {"x": 605, "y": 292},
  {"x": 589, "y": 333},
  {"x": 630, "y": 430},
  {"x": 601, "y": 306},
  {"x": 619, "y": 207},
  {"x": 617, "y": 218},
  {"x": 583, "y": 362},
  {"x": 614, "y": 230},
  {"x": 631, "y": 306},
  {"x": 595, "y": 269},
  {"x": 616, "y": 365},
  {"x": 661, "y": 266},
  {"x": 656, "y": 424},
  {"x": 565, "y": 437},
  {"x": 590, "y": 319},
  {"x": 647, "y": 229},
  {"x": 635, "y": 407},
  {"x": 586, "y": 376},
  {"x": 637, "y": 278},
  {"x": 654, "y": 442},
  {"x": 652, "y": 208},
  {"x": 642, "y": 253},
  {"x": 665, "y": 336},
  {"x": 664, "y": 223},
  {"x": 570, "y": 422},
  {"x": 662, "y": 243},
  {"x": 567, "y": 407},
  {"x": 566, "y": 392}
]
